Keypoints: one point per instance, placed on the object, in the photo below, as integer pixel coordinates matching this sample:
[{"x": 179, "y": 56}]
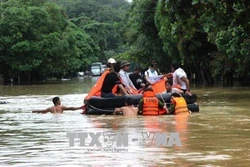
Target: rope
[
  {"x": 95, "y": 108},
  {"x": 100, "y": 109},
  {"x": 163, "y": 98}
]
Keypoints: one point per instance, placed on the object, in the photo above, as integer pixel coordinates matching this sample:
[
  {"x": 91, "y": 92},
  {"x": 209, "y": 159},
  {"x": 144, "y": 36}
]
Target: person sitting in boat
[
  {"x": 178, "y": 105},
  {"x": 57, "y": 108},
  {"x": 129, "y": 86},
  {"x": 150, "y": 104},
  {"x": 136, "y": 78},
  {"x": 111, "y": 63},
  {"x": 170, "y": 88},
  {"x": 110, "y": 81},
  {"x": 96, "y": 89},
  {"x": 180, "y": 77},
  {"x": 151, "y": 75},
  {"x": 155, "y": 66},
  {"x": 128, "y": 109}
]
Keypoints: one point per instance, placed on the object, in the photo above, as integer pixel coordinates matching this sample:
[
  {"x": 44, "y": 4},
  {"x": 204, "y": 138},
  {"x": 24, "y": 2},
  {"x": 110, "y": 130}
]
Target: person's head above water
[
  {"x": 56, "y": 100},
  {"x": 129, "y": 101}
]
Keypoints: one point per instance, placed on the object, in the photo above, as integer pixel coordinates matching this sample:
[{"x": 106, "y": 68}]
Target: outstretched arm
[
  {"x": 117, "y": 111},
  {"x": 42, "y": 111},
  {"x": 72, "y": 108},
  {"x": 169, "y": 75}
]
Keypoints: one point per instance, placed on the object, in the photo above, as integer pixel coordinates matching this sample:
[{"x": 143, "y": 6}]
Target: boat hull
[{"x": 99, "y": 105}]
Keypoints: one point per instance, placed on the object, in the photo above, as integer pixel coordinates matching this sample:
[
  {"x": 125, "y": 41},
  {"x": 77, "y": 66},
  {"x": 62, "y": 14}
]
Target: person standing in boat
[
  {"x": 150, "y": 104},
  {"x": 112, "y": 80},
  {"x": 180, "y": 77},
  {"x": 57, "y": 108},
  {"x": 129, "y": 86},
  {"x": 128, "y": 109}
]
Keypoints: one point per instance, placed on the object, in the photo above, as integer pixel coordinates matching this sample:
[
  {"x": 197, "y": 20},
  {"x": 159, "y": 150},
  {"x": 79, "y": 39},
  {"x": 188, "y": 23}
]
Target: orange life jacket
[
  {"x": 180, "y": 105},
  {"x": 96, "y": 89},
  {"x": 150, "y": 104}
]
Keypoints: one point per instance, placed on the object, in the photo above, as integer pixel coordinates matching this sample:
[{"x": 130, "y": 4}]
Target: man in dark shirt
[
  {"x": 110, "y": 80},
  {"x": 137, "y": 79}
]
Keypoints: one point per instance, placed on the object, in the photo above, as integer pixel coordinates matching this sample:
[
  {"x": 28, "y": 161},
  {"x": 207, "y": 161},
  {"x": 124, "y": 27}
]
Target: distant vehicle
[
  {"x": 104, "y": 67},
  {"x": 96, "y": 68},
  {"x": 80, "y": 74}
]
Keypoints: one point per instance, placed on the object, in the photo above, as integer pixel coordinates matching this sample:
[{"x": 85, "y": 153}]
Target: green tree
[
  {"x": 184, "y": 37},
  {"x": 103, "y": 20},
  {"x": 209, "y": 37},
  {"x": 142, "y": 34},
  {"x": 37, "y": 41}
]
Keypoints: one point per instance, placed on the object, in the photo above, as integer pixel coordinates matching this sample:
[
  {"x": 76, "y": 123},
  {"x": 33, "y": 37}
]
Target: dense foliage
[
  {"x": 103, "y": 20},
  {"x": 209, "y": 37},
  {"x": 42, "y": 38}
]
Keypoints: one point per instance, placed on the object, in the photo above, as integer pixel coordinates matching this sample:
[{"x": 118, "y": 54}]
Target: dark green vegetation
[
  {"x": 209, "y": 37},
  {"x": 52, "y": 38},
  {"x": 41, "y": 38}
]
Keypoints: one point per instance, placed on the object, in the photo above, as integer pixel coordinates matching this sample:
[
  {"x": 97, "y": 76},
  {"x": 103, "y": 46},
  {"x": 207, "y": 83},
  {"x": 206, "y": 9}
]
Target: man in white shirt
[
  {"x": 125, "y": 78},
  {"x": 180, "y": 77}
]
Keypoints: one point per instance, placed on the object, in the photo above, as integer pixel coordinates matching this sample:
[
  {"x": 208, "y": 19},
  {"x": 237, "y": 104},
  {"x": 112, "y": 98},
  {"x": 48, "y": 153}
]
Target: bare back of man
[
  {"x": 57, "y": 108},
  {"x": 128, "y": 110}
]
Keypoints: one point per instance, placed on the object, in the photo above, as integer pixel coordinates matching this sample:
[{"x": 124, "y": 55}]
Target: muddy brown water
[{"x": 219, "y": 135}]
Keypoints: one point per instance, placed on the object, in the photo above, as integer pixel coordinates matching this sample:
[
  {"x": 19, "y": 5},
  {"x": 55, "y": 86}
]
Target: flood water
[{"x": 219, "y": 135}]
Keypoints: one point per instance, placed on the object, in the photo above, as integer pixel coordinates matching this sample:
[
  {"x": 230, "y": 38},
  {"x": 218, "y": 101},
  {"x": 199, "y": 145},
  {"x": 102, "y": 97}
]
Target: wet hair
[
  {"x": 175, "y": 65},
  {"x": 117, "y": 66},
  {"x": 55, "y": 100},
  {"x": 129, "y": 101},
  {"x": 176, "y": 95}
]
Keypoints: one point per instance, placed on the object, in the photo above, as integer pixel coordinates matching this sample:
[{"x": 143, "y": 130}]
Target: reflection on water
[{"x": 217, "y": 136}]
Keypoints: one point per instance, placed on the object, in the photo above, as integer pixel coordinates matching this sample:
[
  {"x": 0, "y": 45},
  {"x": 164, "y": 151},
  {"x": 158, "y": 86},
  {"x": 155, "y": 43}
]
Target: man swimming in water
[
  {"x": 128, "y": 109},
  {"x": 57, "y": 108}
]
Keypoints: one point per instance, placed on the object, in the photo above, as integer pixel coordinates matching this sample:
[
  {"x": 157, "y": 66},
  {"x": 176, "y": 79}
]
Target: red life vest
[
  {"x": 180, "y": 105},
  {"x": 150, "y": 104}
]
